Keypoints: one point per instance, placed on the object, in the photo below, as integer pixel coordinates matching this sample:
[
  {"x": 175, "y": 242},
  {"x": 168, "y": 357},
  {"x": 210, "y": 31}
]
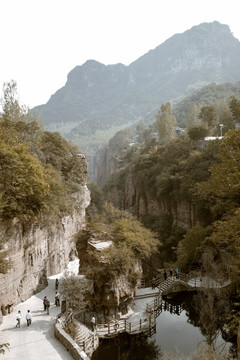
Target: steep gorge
[{"x": 141, "y": 202}]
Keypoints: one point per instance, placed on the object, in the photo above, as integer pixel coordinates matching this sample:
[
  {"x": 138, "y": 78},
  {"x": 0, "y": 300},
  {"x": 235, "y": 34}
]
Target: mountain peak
[{"x": 98, "y": 99}]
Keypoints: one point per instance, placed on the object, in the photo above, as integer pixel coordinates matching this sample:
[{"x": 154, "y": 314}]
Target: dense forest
[{"x": 185, "y": 167}]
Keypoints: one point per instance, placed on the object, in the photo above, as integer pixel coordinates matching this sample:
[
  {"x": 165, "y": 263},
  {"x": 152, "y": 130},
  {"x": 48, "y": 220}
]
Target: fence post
[
  {"x": 140, "y": 324},
  {"x": 108, "y": 329},
  {"x": 125, "y": 324}
]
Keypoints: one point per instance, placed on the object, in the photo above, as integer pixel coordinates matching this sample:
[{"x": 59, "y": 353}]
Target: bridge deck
[{"x": 148, "y": 301}]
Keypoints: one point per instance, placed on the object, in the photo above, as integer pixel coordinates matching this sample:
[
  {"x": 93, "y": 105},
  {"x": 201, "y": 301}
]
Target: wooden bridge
[
  {"x": 146, "y": 323},
  {"x": 190, "y": 281}
]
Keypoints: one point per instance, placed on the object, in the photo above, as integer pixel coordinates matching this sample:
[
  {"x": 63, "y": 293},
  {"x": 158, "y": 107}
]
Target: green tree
[
  {"x": 166, "y": 123},
  {"x": 226, "y": 236},
  {"x": 23, "y": 182},
  {"x": 64, "y": 158},
  {"x": 12, "y": 111},
  {"x": 74, "y": 289},
  {"x": 96, "y": 203},
  {"x": 192, "y": 246},
  {"x": 234, "y": 105},
  {"x": 132, "y": 243},
  {"x": 208, "y": 116},
  {"x": 198, "y": 132},
  {"x": 226, "y": 118},
  {"x": 192, "y": 116},
  {"x": 132, "y": 234},
  {"x": 224, "y": 180}
]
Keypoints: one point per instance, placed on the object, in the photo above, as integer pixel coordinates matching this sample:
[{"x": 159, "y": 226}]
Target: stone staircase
[
  {"x": 86, "y": 339},
  {"x": 165, "y": 285},
  {"x": 83, "y": 333}
]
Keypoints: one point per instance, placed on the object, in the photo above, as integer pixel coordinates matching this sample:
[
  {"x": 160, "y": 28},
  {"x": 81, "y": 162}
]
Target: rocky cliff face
[
  {"x": 38, "y": 251},
  {"x": 140, "y": 203}
]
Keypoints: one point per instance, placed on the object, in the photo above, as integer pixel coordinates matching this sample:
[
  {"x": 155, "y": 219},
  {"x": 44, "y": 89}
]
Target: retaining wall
[{"x": 76, "y": 352}]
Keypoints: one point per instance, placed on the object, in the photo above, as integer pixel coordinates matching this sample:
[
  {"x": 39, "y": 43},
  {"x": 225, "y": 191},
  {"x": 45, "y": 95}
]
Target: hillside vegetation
[
  {"x": 205, "y": 175},
  {"x": 98, "y": 100},
  {"x": 39, "y": 170}
]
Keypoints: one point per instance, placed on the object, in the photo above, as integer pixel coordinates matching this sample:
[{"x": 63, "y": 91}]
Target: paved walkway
[
  {"x": 140, "y": 305},
  {"x": 36, "y": 342}
]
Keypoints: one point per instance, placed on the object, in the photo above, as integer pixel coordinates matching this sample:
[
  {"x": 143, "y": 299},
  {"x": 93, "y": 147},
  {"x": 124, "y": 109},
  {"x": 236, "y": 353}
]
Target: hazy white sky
[{"x": 43, "y": 40}]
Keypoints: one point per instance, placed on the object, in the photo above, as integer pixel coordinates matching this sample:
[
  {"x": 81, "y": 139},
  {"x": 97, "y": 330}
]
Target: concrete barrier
[{"x": 76, "y": 352}]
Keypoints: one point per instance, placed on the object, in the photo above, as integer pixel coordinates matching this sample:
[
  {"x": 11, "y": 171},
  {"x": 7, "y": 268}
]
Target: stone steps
[{"x": 83, "y": 333}]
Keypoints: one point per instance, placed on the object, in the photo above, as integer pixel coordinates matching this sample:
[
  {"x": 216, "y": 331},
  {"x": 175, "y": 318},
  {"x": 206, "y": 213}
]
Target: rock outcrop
[
  {"x": 38, "y": 250},
  {"x": 182, "y": 213}
]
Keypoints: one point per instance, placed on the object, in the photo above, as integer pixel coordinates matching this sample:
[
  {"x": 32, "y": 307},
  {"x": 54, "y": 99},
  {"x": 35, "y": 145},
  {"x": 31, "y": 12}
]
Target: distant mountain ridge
[{"x": 98, "y": 100}]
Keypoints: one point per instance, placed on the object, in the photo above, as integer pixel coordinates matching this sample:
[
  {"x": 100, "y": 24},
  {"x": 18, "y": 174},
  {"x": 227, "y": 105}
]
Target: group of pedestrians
[
  {"x": 46, "y": 302},
  {"x": 28, "y": 318},
  {"x": 171, "y": 273},
  {"x": 46, "y": 306},
  {"x": 165, "y": 276}
]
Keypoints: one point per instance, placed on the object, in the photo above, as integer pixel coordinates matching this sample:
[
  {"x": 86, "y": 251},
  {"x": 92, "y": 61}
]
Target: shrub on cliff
[
  {"x": 73, "y": 289},
  {"x": 38, "y": 170},
  {"x": 132, "y": 243}
]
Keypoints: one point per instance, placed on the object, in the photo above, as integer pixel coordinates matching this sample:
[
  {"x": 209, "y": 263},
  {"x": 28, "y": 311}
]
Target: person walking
[
  {"x": 47, "y": 305},
  {"x": 44, "y": 303},
  {"x": 153, "y": 282},
  {"x": 93, "y": 322},
  {"x": 29, "y": 318},
  {"x": 165, "y": 274},
  {"x": 56, "y": 284},
  {"x": 18, "y": 318},
  {"x": 170, "y": 272},
  {"x": 57, "y": 299}
]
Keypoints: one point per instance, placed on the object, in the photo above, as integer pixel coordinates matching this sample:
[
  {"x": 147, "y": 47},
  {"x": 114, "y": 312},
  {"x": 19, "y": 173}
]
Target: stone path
[{"x": 36, "y": 342}]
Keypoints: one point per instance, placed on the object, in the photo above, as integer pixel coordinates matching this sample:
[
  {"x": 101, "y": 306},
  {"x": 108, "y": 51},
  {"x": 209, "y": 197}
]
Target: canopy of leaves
[
  {"x": 74, "y": 289},
  {"x": 208, "y": 115},
  {"x": 23, "y": 182},
  {"x": 191, "y": 248},
  {"x": 132, "y": 242},
  {"x": 226, "y": 236},
  {"x": 197, "y": 132},
  {"x": 38, "y": 170},
  {"x": 224, "y": 180},
  {"x": 166, "y": 123}
]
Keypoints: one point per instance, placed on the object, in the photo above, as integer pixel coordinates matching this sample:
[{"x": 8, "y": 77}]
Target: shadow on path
[{"x": 36, "y": 342}]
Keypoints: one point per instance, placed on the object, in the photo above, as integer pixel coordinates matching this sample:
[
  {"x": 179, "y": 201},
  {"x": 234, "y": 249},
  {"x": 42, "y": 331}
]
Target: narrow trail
[{"x": 36, "y": 342}]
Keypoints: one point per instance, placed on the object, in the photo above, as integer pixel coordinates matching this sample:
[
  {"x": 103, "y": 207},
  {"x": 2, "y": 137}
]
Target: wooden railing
[
  {"x": 192, "y": 279},
  {"x": 114, "y": 327},
  {"x": 154, "y": 307},
  {"x": 155, "y": 304}
]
